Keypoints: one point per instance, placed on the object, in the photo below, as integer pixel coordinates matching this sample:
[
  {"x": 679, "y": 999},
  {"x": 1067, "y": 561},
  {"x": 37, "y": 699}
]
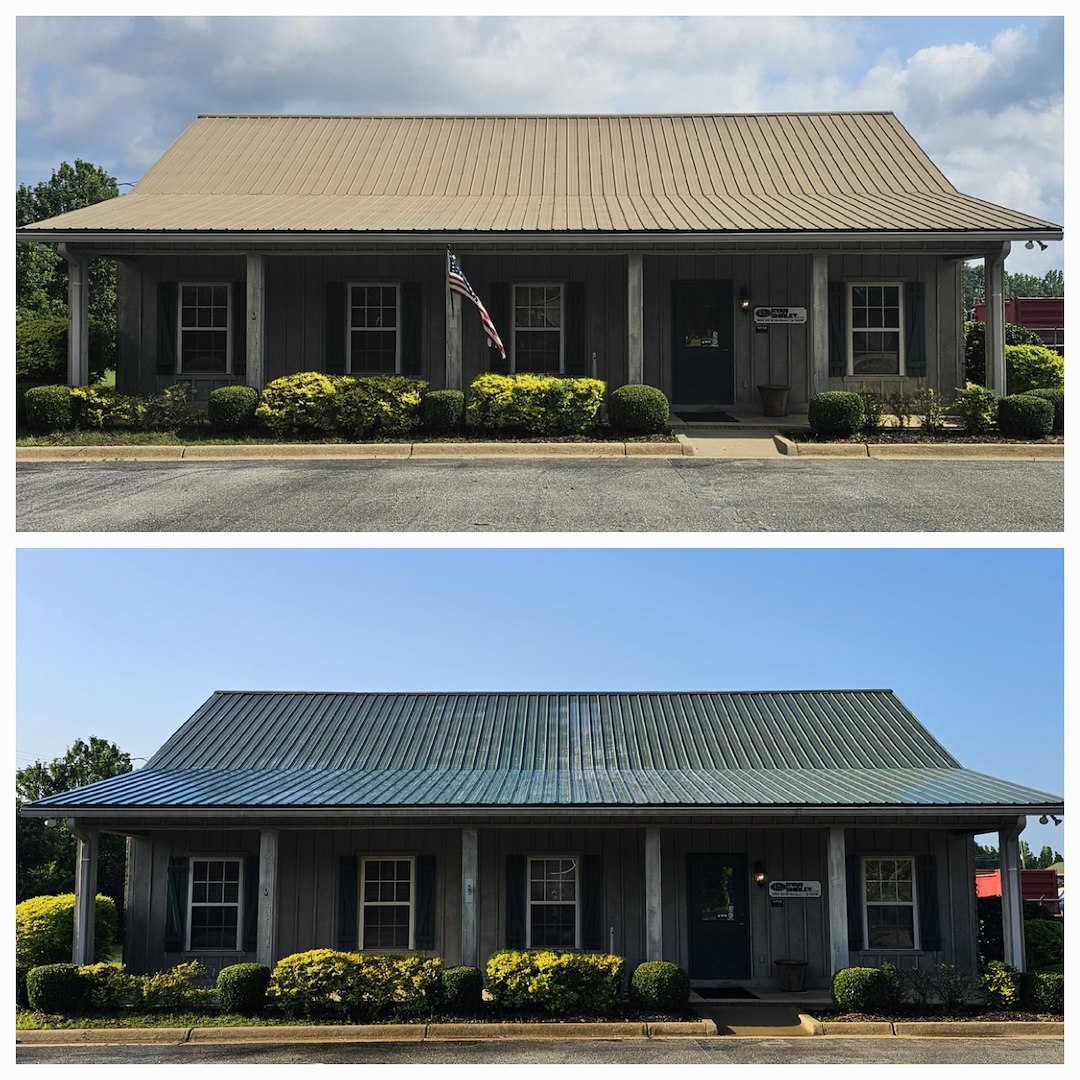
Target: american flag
[{"x": 460, "y": 285}]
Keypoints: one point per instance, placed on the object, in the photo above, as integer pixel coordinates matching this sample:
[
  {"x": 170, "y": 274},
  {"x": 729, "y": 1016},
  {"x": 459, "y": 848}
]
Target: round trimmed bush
[
  {"x": 1056, "y": 397},
  {"x": 1044, "y": 944},
  {"x": 862, "y": 989},
  {"x": 299, "y": 405},
  {"x": 48, "y": 409},
  {"x": 1022, "y": 416},
  {"x": 241, "y": 988},
  {"x": 232, "y": 408},
  {"x": 835, "y": 414},
  {"x": 1032, "y": 367},
  {"x": 442, "y": 412},
  {"x": 21, "y": 971},
  {"x": 637, "y": 409},
  {"x": 462, "y": 989},
  {"x": 44, "y": 925},
  {"x": 659, "y": 984},
  {"x": 1047, "y": 991},
  {"x": 56, "y": 988}
]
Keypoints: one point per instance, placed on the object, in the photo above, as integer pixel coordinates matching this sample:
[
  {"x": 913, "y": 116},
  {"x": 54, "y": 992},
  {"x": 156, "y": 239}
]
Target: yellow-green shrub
[
  {"x": 44, "y": 926},
  {"x": 536, "y": 404},
  {"x": 1033, "y": 367},
  {"x": 300, "y": 404},
  {"x": 376, "y": 404},
  {"x": 563, "y": 983}
]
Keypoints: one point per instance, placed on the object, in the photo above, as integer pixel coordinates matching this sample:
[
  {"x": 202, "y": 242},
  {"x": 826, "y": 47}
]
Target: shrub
[
  {"x": 975, "y": 347},
  {"x": 1000, "y": 985},
  {"x": 835, "y": 414},
  {"x": 44, "y": 926},
  {"x": 442, "y": 412},
  {"x": 1044, "y": 944},
  {"x": 929, "y": 405},
  {"x": 901, "y": 406},
  {"x": 378, "y": 404},
  {"x": 48, "y": 409},
  {"x": 1044, "y": 990},
  {"x": 168, "y": 410},
  {"x": 462, "y": 990},
  {"x": 536, "y": 404},
  {"x": 298, "y": 405},
  {"x": 21, "y": 971},
  {"x": 104, "y": 409},
  {"x": 862, "y": 989},
  {"x": 873, "y": 410},
  {"x": 109, "y": 986},
  {"x": 1056, "y": 397},
  {"x": 1033, "y": 367},
  {"x": 241, "y": 988},
  {"x": 659, "y": 984},
  {"x": 976, "y": 406},
  {"x": 56, "y": 988},
  {"x": 232, "y": 408},
  {"x": 1021, "y": 416},
  {"x": 560, "y": 983},
  {"x": 41, "y": 350},
  {"x": 637, "y": 409},
  {"x": 175, "y": 988},
  {"x": 953, "y": 988}
]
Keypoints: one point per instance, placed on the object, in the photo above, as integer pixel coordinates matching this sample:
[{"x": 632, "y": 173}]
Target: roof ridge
[
  {"x": 599, "y": 693},
  {"x": 534, "y": 116}
]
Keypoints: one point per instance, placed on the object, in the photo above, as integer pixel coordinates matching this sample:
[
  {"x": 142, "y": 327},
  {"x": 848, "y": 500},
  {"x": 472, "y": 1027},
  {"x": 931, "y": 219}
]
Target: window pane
[
  {"x": 553, "y": 926},
  {"x": 386, "y": 927},
  {"x": 874, "y": 353},
  {"x": 213, "y": 927},
  {"x": 890, "y": 927}
]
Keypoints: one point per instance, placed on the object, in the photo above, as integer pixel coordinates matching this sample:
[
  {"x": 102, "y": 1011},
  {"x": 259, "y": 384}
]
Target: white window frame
[
  {"x": 913, "y": 903},
  {"x": 530, "y": 902},
  {"x": 239, "y": 905},
  {"x": 364, "y": 905},
  {"x": 350, "y": 329},
  {"x": 852, "y": 330},
  {"x": 515, "y": 329},
  {"x": 181, "y": 329}
]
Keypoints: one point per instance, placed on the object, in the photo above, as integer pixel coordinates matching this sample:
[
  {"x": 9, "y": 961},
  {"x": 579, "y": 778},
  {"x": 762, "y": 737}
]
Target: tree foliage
[{"x": 1052, "y": 283}]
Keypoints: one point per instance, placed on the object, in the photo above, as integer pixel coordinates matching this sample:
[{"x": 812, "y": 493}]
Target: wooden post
[
  {"x": 654, "y": 930},
  {"x": 819, "y": 324},
  {"x": 1012, "y": 911},
  {"x": 453, "y": 333},
  {"x": 839, "y": 956},
  {"x": 256, "y": 318},
  {"x": 266, "y": 940},
  {"x": 635, "y": 330},
  {"x": 78, "y": 316},
  {"x": 994, "y": 336},
  {"x": 86, "y": 869},
  {"x": 470, "y": 944}
]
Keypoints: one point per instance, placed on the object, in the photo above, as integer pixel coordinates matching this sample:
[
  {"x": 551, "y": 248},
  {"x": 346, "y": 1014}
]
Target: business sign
[
  {"x": 794, "y": 888},
  {"x": 779, "y": 314}
]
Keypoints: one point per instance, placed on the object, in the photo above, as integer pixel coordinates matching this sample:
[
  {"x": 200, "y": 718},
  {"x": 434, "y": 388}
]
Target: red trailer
[
  {"x": 1040, "y": 886},
  {"x": 1043, "y": 314}
]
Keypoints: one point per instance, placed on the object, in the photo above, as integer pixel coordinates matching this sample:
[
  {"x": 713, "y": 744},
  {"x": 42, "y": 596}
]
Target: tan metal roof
[{"x": 735, "y": 173}]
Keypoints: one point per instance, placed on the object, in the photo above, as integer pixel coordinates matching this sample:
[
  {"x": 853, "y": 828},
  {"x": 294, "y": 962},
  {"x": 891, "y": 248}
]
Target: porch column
[
  {"x": 994, "y": 267},
  {"x": 838, "y": 913},
  {"x": 1012, "y": 913},
  {"x": 453, "y": 334},
  {"x": 654, "y": 937},
  {"x": 470, "y": 943},
  {"x": 819, "y": 324},
  {"x": 266, "y": 934},
  {"x": 86, "y": 871},
  {"x": 635, "y": 330},
  {"x": 256, "y": 318},
  {"x": 78, "y": 316}
]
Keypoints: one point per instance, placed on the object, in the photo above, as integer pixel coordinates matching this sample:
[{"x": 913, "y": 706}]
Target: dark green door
[
  {"x": 703, "y": 370},
  {"x": 719, "y": 924}
]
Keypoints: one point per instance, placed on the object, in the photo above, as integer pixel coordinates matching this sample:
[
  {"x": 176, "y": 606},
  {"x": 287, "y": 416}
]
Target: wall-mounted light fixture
[
  {"x": 1043, "y": 820},
  {"x": 1031, "y": 243},
  {"x": 759, "y": 874},
  {"x": 744, "y": 300}
]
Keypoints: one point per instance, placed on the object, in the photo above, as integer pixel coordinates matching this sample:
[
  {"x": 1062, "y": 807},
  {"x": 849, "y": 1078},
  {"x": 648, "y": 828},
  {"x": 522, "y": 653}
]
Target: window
[
  {"x": 889, "y": 891},
  {"x": 875, "y": 343},
  {"x": 553, "y": 903},
  {"x": 214, "y": 904},
  {"x": 373, "y": 329},
  {"x": 204, "y": 329},
  {"x": 386, "y": 904},
  {"x": 538, "y": 327}
]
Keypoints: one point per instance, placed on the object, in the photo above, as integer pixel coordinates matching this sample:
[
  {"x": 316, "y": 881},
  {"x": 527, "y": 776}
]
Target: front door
[
  {"x": 718, "y": 919},
  {"x": 703, "y": 371}
]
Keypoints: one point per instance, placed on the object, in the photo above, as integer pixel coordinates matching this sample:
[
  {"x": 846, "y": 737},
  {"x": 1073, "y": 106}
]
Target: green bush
[
  {"x": 953, "y": 988},
  {"x": 232, "y": 408},
  {"x": 535, "y": 404},
  {"x": 109, "y": 986},
  {"x": 462, "y": 990},
  {"x": 1021, "y": 416},
  {"x": 1044, "y": 944},
  {"x": 375, "y": 405},
  {"x": 48, "y": 409},
  {"x": 21, "y": 971},
  {"x": 1044, "y": 990},
  {"x": 659, "y": 984},
  {"x": 1056, "y": 397},
  {"x": 1033, "y": 367},
  {"x": 637, "y": 409},
  {"x": 863, "y": 990},
  {"x": 241, "y": 988},
  {"x": 977, "y": 408},
  {"x": 41, "y": 350},
  {"x": 298, "y": 405},
  {"x": 558, "y": 983},
  {"x": 44, "y": 926},
  {"x": 56, "y": 988},
  {"x": 975, "y": 347},
  {"x": 101, "y": 408},
  {"x": 929, "y": 405},
  {"x": 169, "y": 410},
  {"x": 999, "y": 984},
  {"x": 835, "y": 414},
  {"x": 442, "y": 412},
  {"x": 874, "y": 406}
]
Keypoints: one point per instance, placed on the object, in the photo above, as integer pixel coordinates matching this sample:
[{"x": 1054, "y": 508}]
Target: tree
[
  {"x": 45, "y": 855},
  {"x": 41, "y": 277},
  {"x": 986, "y": 857},
  {"x": 1027, "y": 859},
  {"x": 1052, "y": 283}
]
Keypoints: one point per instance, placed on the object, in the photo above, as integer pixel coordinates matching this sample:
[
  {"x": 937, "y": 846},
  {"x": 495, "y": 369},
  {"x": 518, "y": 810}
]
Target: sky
[
  {"x": 983, "y": 94},
  {"x": 126, "y": 643}
]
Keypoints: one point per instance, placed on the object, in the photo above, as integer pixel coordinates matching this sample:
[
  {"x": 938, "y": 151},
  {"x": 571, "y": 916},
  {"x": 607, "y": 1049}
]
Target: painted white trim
[
  {"x": 913, "y": 903},
  {"x": 529, "y": 902},
  {"x": 900, "y": 330},
  {"x": 239, "y": 905},
  {"x": 514, "y": 286},
  {"x": 350, "y": 329},
  {"x": 363, "y": 905},
  {"x": 180, "y": 329}
]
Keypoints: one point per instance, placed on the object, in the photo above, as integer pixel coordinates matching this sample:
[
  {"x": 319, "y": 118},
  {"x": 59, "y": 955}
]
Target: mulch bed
[
  {"x": 960, "y": 1016},
  {"x": 912, "y": 436}
]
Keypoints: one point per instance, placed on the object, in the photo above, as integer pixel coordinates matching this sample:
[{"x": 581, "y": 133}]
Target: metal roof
[
  {"x": 819, "y": 748},
  {"x": 787, "y": 172}
]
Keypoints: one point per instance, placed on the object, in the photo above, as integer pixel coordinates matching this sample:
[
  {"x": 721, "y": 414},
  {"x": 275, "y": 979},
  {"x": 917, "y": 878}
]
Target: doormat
[
  {"x": 706, "y": 418},
  {"x": 725, "y": 993}
]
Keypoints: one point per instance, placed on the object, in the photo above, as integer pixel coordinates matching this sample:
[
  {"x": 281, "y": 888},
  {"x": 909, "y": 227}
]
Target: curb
[
  {"x": 925, "y": 451},
  {"x": 967, "y": 1029}
]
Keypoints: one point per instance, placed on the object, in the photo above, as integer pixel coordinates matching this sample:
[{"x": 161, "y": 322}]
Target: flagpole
[{"x": 453, "y": 334}]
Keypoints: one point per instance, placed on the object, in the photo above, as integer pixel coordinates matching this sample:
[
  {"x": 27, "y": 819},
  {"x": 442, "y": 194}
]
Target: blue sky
[
  {"x": 126, "y": 643},
  {"x": 982, "y": 93}
]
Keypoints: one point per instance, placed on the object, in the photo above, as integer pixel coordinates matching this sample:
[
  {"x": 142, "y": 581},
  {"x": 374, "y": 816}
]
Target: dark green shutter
[
  {"x": 425, "y": 901},
  {"x": 499, "y": 310},
  {"x": 239, "y": 330},
  {"x": 915, "y": 325},
  {"x": 251, "y": 903},
  {"x": 592, "y": 909},
  {"x": 854, "y": 904},
  {"x": 348, "y": 901},
  {"x": 166, "y": 328},
  {"x": 837, "y": 330},
  {"x": 929, "y": 909},
  {"x": 334, "y": 360},
  {"x": 515, "y": 901},
  {"x": 412, "y": 324},
  {"x": 176, "y": 903},
  {"x": 576, "y": 346}
]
